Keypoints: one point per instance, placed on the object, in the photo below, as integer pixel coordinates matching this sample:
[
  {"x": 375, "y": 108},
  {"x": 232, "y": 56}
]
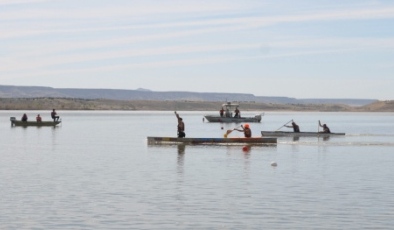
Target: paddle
[
  {"x": 284, "y": 125},
  {"x": 230, "y": 130}
]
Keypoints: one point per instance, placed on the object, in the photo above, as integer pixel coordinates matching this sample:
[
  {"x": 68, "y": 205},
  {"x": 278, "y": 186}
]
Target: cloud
[
  {"x": 37, "y": 39},
  {"x": 184, "y": 16},
  {"x": 36, "y": 61},
  {"x": 16, "y": 2}
]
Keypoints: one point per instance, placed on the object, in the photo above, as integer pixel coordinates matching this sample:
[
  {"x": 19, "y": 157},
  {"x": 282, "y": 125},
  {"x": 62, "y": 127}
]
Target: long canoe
[
  {"x": 300, "y": 134},
  {"x": 33, "y": 123},
  {"x": 252, "y": 140}
]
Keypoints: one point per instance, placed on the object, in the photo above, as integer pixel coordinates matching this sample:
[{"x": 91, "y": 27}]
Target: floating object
[
  {"x": 300, "y": 134},
  {"x": 274, "y": 164},
  {"x": 222, "y": 127},
  {"x": 245, "y": 148},
  {"x": 190, "y": 140}
]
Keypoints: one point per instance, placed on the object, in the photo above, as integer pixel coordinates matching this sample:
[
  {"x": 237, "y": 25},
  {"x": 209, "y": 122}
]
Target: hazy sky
[{"x": 293, "y": 48}]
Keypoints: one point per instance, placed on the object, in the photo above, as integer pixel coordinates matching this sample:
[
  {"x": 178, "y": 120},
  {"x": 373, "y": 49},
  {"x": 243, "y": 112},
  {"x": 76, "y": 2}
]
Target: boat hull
[
  {"x": 34, "y": 123},
  {"x": 252, "y": 140},
  {"x": 212, "y": 118},
  {"x": 300, "y": 134}
]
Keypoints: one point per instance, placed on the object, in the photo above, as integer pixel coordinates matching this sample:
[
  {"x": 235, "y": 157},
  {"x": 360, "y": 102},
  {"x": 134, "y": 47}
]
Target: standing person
[
  {"x": 246, "y": 130},
  {"x": 236, "y": 111},
  {"x": 24, "y": 117},
  {"x": 181, "y": 126},
  {"x": 54, "y": 115},
  {"x": 295, "y": 127},
  {"x": 325, "y": 128},
  {"x": 38, "y": 118},
  {"x": 221, "y": 112}
]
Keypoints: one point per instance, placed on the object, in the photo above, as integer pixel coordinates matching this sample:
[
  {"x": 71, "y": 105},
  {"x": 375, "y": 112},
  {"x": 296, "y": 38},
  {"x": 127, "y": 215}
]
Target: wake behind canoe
[
  {"x": 299, "y": 134},
  {"x": 252, "y": 140}
]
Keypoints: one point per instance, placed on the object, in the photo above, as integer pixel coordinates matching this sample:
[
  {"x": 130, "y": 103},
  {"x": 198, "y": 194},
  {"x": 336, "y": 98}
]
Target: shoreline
[{"x": 150, "y": 105}]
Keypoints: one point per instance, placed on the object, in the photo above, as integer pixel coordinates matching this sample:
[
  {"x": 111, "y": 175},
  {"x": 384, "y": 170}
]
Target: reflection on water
[
  {"x": 181, "y": 157},
  {"x": 181, "y": 149},
  {"x": 325, "y": 138}
]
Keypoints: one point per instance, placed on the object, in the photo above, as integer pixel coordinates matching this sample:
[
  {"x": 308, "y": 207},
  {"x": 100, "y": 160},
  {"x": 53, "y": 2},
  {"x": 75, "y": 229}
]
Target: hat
[{"x": 246, "y": 125}]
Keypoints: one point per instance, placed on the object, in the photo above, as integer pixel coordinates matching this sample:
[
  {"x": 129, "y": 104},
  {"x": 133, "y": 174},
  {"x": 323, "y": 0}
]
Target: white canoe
[
  {"x": 300, "y": 134},
  {"x": 252, "y": 140}
]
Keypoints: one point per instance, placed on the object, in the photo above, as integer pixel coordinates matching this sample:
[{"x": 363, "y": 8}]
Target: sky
[{"x": 299, "y": 49}]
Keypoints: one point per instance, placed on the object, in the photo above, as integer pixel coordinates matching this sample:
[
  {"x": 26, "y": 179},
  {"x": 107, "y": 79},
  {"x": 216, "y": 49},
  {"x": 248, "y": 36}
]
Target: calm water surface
[{"x": 96, "y": 171}]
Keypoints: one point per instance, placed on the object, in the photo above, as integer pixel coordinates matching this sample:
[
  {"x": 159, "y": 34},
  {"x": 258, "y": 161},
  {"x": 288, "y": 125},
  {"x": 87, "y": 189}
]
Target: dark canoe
[
  {"x": 242, "y": 140},
  {"x": 300, "y": 134},
  {"x": 33, "y": 123}
]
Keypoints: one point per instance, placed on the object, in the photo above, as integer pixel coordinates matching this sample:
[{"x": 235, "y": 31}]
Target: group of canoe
[{"x": 267, "y": 137}]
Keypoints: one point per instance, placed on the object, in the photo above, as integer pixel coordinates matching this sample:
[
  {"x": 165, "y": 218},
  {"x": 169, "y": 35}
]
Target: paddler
[
  {"x": 325, "y": 128},
  {"x": 181, "y": 126},
  {"x": 246, "y": 130},
  {"x": 295, "y": 127}
]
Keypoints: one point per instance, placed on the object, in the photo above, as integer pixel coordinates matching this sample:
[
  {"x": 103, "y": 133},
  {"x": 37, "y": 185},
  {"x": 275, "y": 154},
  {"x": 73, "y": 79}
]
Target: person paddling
[
  {"x": 246, "y": 130},
  {"x": 325, "y": 128},
  {"x": 295, "y": 127},
  {"x": 181, "y": 126}
]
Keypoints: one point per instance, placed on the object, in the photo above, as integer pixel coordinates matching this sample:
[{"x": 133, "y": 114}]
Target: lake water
[{"x": 96, "y": 171}]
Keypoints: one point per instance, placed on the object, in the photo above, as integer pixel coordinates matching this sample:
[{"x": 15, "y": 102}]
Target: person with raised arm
[
  {"x": 180, "y": 127},
  {"x": 325, "y": 128}
]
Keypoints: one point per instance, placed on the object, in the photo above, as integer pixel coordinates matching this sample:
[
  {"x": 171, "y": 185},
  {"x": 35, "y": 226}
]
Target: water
[{"x": 96, "y": 171}]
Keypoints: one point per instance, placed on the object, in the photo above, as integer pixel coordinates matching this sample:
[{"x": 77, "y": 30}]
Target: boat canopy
[{"x": 230, "y": 105}]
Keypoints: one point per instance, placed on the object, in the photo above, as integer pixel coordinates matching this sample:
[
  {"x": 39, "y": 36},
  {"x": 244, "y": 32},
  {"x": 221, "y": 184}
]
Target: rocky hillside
[{"x": 379, "y": 106}]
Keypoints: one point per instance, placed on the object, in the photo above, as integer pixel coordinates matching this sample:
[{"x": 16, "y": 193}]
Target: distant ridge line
[{"x": 9, "y": 91}]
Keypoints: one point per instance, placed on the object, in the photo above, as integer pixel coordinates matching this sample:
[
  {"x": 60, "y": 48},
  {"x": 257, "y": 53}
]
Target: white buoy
[{"x": 274, "y": 164}]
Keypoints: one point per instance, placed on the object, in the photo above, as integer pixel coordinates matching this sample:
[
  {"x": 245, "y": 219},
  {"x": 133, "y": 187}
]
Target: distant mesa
[
  {"x": 142, "y": 89},
  {"x": 147, "y": 94}
]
